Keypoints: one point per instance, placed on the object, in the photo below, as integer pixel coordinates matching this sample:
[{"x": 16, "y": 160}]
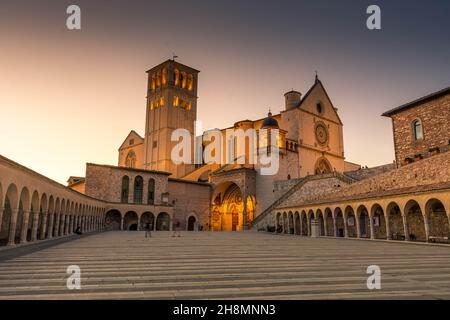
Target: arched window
[
  {"x": 125, "y": 186},
  {"x": 158, "y": 79},
  {"x": 138, "y": 189},
  {"x": 183, "y": 80},
  {"x": 190, "y": 82},
  {"x": 322, "y": 166},
  {"x": 130, "y": 161},
  {"x": 151, "y": 192},
  {"x": 417, "y": 130},
  {"x": 164, "y": 76},
  {"x": 153, "y": 82}
]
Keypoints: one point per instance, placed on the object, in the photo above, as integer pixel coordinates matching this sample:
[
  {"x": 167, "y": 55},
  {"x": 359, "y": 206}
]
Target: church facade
[{"x": 309, "y": 141}]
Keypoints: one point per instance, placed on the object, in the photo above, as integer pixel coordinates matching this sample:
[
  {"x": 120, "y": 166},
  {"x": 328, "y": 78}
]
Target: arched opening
[
  {"x": 321, "y": 222},
  {"x": 10, "y": 204},
  {"x": 417, "y": 130},
  {"x": 364, "y": 222},
  {"x": 24, "y": 203},
  {"x": 191, "y": 223},
  {"x": 395, "y": 221},
  {"x": 147, "y": 218},
  {"x": 323, "y": 166},
  {"x": 151, "y": 191},
  {"x": 298, "y": 231},
  {"x": 112, "y": 220},
  {"x": 437, "y": 219},
  {"x": 291, "y": 223},
  {"x": 125, "y": 189},
  {"x": 228, "y": 208},
  {"x": 351, "y": 222},
  {"x": 378, "y": 222},
  {"x": 130, "y": 221},
  {"x": 285, "y": 223},
  {"x": 163, "y": 222},
  {"x": 304, "y": 224},
  {"x": 138, "y": 190},
  {"x": 415, "y": 221},
  {"x": 329, "y": 220},
  {"x": 340, "y": 224}
]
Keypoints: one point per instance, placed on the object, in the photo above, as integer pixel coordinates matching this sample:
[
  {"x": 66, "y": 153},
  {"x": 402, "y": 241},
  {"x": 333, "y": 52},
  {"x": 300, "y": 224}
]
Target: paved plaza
[{"x": 223, "y": 265}]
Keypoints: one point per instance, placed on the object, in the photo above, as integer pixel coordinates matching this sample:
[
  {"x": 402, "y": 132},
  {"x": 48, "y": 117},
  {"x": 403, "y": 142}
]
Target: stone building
[
  {"x": 410, "y": 201},
  {"x": 421, "y": 127}
]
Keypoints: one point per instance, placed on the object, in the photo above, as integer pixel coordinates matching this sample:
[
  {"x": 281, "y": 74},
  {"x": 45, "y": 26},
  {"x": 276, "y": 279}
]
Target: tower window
[
  {"x": 188, "y": 105},
  {"x": 161, "y": 102},
  {"x": 417, "y": 130},
  {"x": 190, "y": 82},
  {"x": 319, "y": 108},
  {"x": 153, "y": 85},
  {"x": 158, "y": 79},
  {"x": 175, "y": 101},
  {"x": 151, "y": 192},
  {"x": 138, "y": 188},
  {"x": 176, "y": 77},
  {"x": 152, "y": 105},
  {"x": 183, "y": 80},
  {"x": 164, "y": 76}
]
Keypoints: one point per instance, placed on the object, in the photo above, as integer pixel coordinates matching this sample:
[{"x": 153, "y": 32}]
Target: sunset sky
[{"x": 71, "y": 97}]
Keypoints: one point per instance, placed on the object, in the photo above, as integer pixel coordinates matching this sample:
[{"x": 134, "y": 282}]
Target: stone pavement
[{"x": 224, "y": 265}]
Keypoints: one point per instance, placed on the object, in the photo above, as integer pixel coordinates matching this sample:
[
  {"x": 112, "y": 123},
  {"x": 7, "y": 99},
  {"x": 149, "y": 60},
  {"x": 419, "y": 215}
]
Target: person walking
[{"x": 148, "y": 232}]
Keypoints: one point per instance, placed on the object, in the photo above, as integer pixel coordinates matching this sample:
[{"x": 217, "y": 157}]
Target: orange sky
[{"x": 71, "y": 97}]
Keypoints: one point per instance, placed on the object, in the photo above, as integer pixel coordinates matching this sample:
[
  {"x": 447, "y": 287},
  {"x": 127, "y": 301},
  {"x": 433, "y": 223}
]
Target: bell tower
[{"x": 171, "y": 105}]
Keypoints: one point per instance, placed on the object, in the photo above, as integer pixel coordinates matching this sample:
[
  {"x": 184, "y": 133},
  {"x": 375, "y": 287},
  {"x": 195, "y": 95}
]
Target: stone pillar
[
  {"x": 244, "y": 212},
  {"x": 334, "y": 227},
  {"x": 138, "y": 223},
  {"x": 345, "y": 226},
  {"x": 24, "y": 231},
  {"x": 358, "y": 227},
  {"x": 67, "y": 228},
  {"x": 388, "y": 227},
  {"x": 62, "y": 225},
  {"x": 405, "y": 227},
  {"x": 325, "y": 225},
  {"x": 50, "y": 225},
  {"x": 372, "y": 230},
  {"x": 301, "y": 225},
  {"x": 121, "y": 223},
  {"x": 44, "y": 225},
  {"x": 56, "y": 228},
  {"x": 70, "y": 231},
  {"x": 426, "y": 222},
  {"x": 12, "y": 227},
  {"x": 34, "y": 227},
  {"x": 170, "y": 223}
]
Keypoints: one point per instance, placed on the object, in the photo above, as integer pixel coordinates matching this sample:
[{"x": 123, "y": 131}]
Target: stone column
[
  {"x": 325, "y": 225},
  {"x": 24, "y": 231},
  {"x": 358, "y": 226},
  {"x": 301, "y": 225},
  {"x": 345, "y": 225},
  {"x": 57, "y": 221},
  {"x": 426, "y": 222},
  {"x": 388, "y": 227},
  {"x": 334, "y": 227},
  {"x": 121, "y": 223},
  {"x": 70, "y": 224},
  {"x": 34, "y": 227},
  {"x": 67, "y": 228},
  {"x": 44, "y": 225},
  {"x": 62, "y": 225},
  {"x": 50, "y": 225},
  {"x": 12, "y": 227},
  {"x": 371, "y": 226},
  {"x": 138, "y": 223},
  {"x": 405, "y": 227}
]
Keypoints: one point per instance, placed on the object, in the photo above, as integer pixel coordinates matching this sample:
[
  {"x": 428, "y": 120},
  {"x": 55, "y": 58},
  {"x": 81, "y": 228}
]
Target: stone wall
[
  {"x": 435, "y": 118},
  {"x": 105, "y": 183},
  {"x": 189, "y": 198}
]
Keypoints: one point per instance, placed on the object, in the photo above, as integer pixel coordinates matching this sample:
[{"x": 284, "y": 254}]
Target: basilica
[
  {"x": 313, "y": 192},
  {"x": 309, "y": 140}
]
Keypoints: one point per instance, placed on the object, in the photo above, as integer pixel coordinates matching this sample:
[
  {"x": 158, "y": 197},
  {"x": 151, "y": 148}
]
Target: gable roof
[
  {"x": 416, "y": 102},
  {"x": 132, "y": 133},
  {"x": 317, "y": 82}
]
